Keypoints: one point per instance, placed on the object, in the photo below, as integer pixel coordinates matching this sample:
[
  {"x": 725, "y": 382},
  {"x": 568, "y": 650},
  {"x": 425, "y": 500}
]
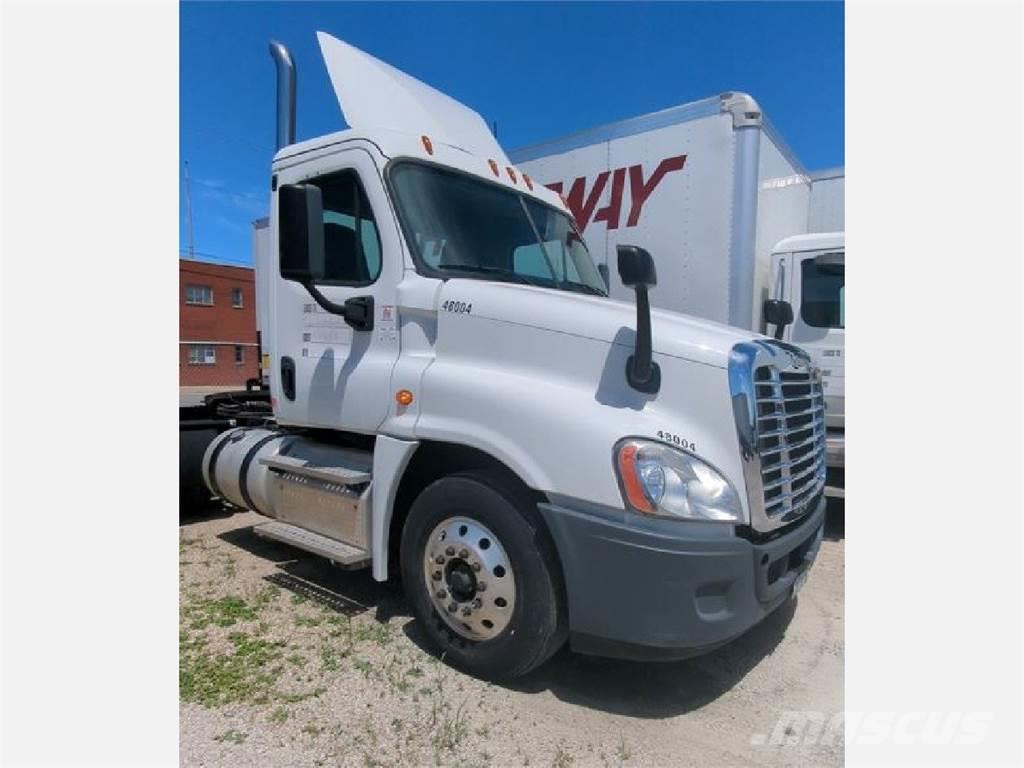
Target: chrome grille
[{"x": 790, "y": 435}]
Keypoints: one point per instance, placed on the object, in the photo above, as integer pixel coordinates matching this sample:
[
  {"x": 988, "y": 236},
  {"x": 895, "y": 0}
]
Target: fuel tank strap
[
  {"x": 211, "y": 470},
  {"x": 243, "y": 471}
]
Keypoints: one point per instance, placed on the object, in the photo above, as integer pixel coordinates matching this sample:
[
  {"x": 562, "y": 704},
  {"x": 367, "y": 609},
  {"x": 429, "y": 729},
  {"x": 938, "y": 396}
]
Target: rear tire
[{"x": 518, "y": 571}]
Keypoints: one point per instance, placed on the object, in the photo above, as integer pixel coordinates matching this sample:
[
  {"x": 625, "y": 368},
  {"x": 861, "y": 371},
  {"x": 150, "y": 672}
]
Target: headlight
[{"x": 659, "y": 480}]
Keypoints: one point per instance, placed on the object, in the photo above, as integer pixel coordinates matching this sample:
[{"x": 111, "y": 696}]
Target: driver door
[
  {"x": 327, "y": 374},
  {"x": 818, "y": 296}
]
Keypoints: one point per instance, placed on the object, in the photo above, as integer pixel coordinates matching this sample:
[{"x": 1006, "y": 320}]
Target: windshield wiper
[
  {"x": 584, "y": 288},
  {"x": 485, "y": 270}
]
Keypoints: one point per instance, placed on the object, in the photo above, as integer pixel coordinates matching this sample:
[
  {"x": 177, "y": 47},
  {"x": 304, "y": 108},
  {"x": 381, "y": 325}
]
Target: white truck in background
[
  {"x": 455, "y": 399},
  {"x": 731, "y": 218}
]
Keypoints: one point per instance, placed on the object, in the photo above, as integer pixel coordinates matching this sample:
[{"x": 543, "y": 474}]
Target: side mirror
[
  {"x": 778, "y": 313},
  {"x": 603, "y": 271},
  {"x": 301, "y": 237},
  {"x": 301, "y": 232},
  {"x": 636, "y": 270},
  {"x": 636, "y": 267}
]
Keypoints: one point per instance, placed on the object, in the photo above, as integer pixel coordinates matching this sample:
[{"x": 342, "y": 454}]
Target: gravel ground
[{"x": 288, "y": 661}]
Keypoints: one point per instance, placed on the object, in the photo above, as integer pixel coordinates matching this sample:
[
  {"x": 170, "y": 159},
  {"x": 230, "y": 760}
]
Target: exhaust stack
[{"x": 285, "y": 94}]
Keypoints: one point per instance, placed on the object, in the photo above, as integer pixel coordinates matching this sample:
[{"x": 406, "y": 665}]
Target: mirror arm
[
  {"x": 642, "y": 373},
  {"x": 357, "y": 312}
]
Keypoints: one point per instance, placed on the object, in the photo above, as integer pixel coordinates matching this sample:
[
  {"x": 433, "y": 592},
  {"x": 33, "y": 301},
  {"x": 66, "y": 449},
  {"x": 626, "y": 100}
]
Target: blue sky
[{"x": 539, "y": 69}]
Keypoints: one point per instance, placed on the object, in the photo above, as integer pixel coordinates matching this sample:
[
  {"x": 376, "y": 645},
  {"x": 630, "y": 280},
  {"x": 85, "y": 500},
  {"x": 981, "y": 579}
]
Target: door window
[
  {"x": 822, "y": 294},
  {"x": 351, "y": 241}
]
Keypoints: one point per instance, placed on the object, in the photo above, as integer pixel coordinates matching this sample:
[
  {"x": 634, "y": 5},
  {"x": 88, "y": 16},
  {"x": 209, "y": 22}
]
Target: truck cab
[
  {"x": 459, "y": 403},
  {"x": 808, "y": 272}
]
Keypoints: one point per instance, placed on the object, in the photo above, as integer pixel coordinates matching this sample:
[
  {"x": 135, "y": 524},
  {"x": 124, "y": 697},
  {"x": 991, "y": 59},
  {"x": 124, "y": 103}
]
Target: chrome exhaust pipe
[{"x": 285, "y": 94}]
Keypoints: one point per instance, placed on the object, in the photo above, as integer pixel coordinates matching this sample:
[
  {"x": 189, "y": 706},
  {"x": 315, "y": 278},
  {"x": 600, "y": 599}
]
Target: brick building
[{"x": 217, "y": 324}]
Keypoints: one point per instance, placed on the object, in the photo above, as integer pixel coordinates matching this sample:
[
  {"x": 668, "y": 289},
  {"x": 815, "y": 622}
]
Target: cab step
[
  {"x": 339, "y": 553},
  {"x": 340, "y": 475}
]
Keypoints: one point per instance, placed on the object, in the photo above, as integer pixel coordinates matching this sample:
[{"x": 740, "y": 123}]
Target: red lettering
[
  {"x": 610, "y": 212},
  {"x": 583, "y": 211},
  {"x": 640, "y": 191}
]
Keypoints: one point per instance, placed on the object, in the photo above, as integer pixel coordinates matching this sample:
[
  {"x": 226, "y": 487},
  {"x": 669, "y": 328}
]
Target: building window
[
  {"x": 199, "y": 294},
  {"x": 239, "y": 355},
  {"x": 236, "y": 298},
  {"x": 202, "y": 354}
]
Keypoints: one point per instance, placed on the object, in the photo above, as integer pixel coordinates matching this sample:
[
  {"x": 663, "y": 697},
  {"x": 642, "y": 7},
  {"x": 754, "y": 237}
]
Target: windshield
[{"x": 464, "y": 227}]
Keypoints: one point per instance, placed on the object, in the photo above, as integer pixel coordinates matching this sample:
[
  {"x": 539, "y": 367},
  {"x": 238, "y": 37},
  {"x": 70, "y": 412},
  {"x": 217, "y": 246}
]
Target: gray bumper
[{"x": 644, "y": 593}]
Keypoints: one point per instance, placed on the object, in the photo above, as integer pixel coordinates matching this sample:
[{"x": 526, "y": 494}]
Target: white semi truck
[
  {"x": 739, "y": 231},
  {"x": 455, "y": 401}
]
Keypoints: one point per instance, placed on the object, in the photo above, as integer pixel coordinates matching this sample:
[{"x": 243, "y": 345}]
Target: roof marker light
[
  {"x": 511, "y": 173},
  {"x": 529, "y": 182},
  {"x": 427, "y": 145},
  {"x": 494, "y": 167}
]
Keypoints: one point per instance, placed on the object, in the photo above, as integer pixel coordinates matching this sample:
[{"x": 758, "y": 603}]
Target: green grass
[
  {"x": 232, "y": 736},
  {"x": 223, "y": 612},
  {"x": 246, "y": 675}
]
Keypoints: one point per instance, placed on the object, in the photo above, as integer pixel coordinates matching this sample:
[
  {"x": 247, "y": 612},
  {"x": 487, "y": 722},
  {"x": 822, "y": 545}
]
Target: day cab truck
[
  {"x": 456, "y": 402},
  {"x": 740, "y": 232}
]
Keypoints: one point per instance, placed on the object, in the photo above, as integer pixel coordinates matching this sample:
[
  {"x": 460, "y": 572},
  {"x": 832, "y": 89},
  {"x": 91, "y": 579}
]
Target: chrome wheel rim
[{"x": 469, "y": 578}]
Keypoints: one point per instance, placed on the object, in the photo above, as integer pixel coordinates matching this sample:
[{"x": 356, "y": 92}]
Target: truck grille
[{"x": 790, "y": 436}]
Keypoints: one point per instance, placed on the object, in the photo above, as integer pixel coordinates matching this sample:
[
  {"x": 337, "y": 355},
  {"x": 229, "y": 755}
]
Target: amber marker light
[
  {"x": 511, "y": 174},
  {"x": 529, "y": 182},
  {"x": 403, "y": 397},
  {"x": 494, "y": 167},
  {"x": 427, "y": 145},
  {"x": 631, "y": 478}
]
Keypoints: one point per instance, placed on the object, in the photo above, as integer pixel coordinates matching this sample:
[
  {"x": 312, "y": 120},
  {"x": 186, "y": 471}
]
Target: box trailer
[{"x": 714, "y": 193}]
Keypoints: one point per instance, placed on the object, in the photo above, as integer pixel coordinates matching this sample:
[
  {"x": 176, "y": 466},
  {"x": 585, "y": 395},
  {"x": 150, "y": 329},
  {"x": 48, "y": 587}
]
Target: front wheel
[{"x": 482, "y": 575}]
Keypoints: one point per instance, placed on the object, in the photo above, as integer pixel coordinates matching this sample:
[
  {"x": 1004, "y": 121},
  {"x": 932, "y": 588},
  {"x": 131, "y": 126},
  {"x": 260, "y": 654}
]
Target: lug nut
[
  {"x": 476, "y": 566},
  {"x": 439, "y": 560},
  {"x": 467, "y": 611},
  {"x": 452, "y": 607},
  {"x": 463, "y": 553},
  {"x": 481, "y": 586},
  {"x": 437, "y": 576},
  {"x": 478, "y": 603},
  {"x": 441, "y": 594},
  {"x": 450, "y": 551}
]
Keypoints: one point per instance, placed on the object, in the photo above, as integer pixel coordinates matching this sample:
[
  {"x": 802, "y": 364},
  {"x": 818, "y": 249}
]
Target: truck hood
[{"x": 595, "y": 317}]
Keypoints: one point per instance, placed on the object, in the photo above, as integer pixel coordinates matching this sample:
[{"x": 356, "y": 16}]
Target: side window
[
  {"x": 351, "y": 240},
  {"x": 530, "y": 260},
  {"x": 823, "y": 295}
]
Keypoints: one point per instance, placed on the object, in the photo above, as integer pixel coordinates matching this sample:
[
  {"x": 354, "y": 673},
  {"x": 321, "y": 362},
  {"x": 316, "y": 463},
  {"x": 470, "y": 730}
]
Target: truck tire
[{"x": 482, "y": 576}]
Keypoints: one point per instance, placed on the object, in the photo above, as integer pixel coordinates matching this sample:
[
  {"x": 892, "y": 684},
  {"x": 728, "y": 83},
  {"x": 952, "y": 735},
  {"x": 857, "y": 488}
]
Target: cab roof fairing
[{"x": 395, "y": 111}]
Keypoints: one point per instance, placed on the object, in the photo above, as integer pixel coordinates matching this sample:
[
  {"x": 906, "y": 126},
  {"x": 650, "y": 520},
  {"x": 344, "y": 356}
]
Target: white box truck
[
  {"x": 730, "y": 216},
  {"x": 455, "y": 399}
]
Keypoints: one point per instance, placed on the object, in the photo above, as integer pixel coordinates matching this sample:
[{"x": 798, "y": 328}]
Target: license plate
[{"x": 799, "y": 582}]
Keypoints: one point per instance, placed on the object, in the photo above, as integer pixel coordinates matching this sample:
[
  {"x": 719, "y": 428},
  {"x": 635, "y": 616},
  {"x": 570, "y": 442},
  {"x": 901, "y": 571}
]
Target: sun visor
[{"x": 373, "y": 94}]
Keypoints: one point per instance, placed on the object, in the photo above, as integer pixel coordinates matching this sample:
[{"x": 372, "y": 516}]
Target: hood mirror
[
  {"x": 778, "y": 313},
  {"x": 636, "y": 270}
]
